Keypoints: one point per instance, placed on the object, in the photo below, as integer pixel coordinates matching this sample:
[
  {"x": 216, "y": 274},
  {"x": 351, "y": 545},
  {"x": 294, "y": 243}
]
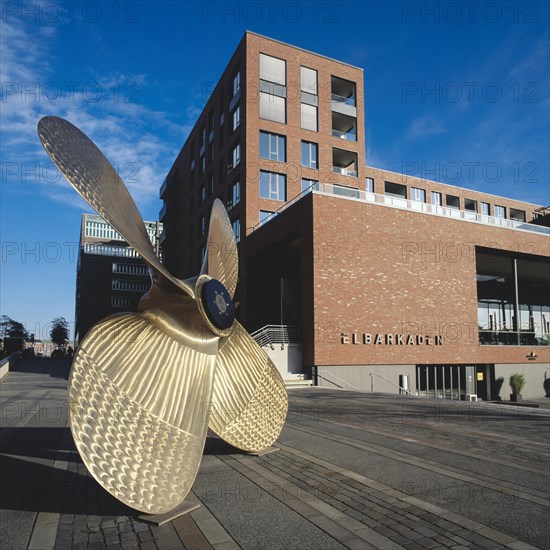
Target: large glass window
[
  {"x": 272, "y": 186},
  {"x": 272, "y": 146},
  {"x": 308, "y": 120},
  {"x": 236, "y": 155},
  {"x": 309, "y": 154},
  {"x": 308, "y": 80},
  {"x": 272, "y": 107},
  {"x": 236, "y": 118},
  {"x": 485, "y": 208},
  {"x": 418, "y": 195},
  {"x": 235, "y": 193},
  {"x": 237, "y": 229},
  {"x": 272, "y": 69},
  {"x": 436, "y": 198},
  {"x": 500, "y": 212},
  {"x": 500, "y": 322},
  {"x": 236, "y": 83}
]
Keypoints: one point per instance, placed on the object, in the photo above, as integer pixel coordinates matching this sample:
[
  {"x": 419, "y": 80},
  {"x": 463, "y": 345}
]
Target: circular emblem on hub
[{"x": 217, "y": 304}]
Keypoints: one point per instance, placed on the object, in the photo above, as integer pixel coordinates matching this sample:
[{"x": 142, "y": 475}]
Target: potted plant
[{"x": 517, "y": 383}]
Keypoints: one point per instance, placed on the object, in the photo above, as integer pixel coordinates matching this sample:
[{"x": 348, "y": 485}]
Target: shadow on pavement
[
  {"x": 56, "y": 368},
  {"x": 30, "y": 482}
]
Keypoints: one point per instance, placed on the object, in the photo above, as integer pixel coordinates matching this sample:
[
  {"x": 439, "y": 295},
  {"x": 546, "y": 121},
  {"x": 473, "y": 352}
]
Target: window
[
  {"x": 517, "y": 215},
  {"x": 129, "y": 269},
  {"x": 237, "y": 229},
  {"x": 470, "y": 205},
  {"x": 369, "y": 185},
  {"x": 202, "y": 225},
  {"x": 500, "y": 212},
  {"x": 272, "y": 146},
  {"x": 202, "y": 195},
  {"x": 272, "y": 186},
  {"x": 485, "y": 208},
  {"x": 308, "y": 80},
  {"x": 222, "y": 119},
  {"x": 272, "y": 107},
  {"x": 236, "y": 83},
  {"x": 452, "y": 201},
  {"x": 272, "y": 69},
  {"x": 272, "y": 88},
  {"x": 203, "y": 164},
  {"x": 192, "y": 165},
  {"x": 308, "y": 184},
  {"x": 309, "y": 154},
  {"x": 395, "y": 190},
  {"x": 129, "y": 286},
  {"x": 265, "y": 215},
  {"x": 236, "y": 155},
  {"x": 121, "y": 301},
  {"x": 236, "y": 118},
  {"x": 436, "y": 198},
  {"x": 418, "y": 195},
  {"x": 308, "y": 119},
  {"x": 235, "y": 193}
]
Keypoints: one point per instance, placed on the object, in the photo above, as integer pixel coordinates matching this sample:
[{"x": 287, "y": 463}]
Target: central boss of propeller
[{"x": 217, "y": 304}]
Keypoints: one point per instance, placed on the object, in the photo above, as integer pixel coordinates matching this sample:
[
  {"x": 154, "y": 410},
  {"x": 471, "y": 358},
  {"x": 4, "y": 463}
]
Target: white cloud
[{"x": 105, "y": 108}]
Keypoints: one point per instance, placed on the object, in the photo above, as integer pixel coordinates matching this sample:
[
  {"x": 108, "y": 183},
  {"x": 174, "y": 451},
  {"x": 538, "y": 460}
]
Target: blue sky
[{"x": 456, "y": 92}]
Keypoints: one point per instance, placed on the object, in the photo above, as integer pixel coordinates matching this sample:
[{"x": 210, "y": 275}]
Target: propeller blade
[
  {"x": 221, "y": 260},
  {"x": 87, "y": 169},
  {"x": 138, "y": 411},
  {"x": 249, "y": 402}
]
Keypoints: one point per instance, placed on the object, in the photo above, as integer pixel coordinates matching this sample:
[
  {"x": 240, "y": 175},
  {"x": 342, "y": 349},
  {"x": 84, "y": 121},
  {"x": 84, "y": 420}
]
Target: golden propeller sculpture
[{"x": 144, "y": 387}]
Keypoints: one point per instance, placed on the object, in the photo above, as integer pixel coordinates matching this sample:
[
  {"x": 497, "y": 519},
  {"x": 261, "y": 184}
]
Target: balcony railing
[
  {"x": 399, "y": 202},
  {"x": 344, "y": 171},
  {"x": 350, "y": 136},
  {"x": 341, "y": 99}
]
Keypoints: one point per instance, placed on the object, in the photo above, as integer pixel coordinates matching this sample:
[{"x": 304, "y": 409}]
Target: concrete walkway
[{"x": 357, "y": 471}]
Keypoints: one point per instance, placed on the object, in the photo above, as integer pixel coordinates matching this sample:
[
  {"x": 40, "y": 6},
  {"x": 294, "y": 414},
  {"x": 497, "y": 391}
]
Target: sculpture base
[
  {"x": 160, "y": 519},
  {"x": 262, "y": 453}
]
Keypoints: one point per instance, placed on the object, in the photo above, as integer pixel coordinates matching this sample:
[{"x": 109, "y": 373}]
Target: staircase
[{"x": 283, "y": 346}]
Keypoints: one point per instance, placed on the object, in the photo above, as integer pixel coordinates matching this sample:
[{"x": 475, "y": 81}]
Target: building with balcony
[
  {"x": 111, "y": 276},
  {"x": 351, "y": 275}
]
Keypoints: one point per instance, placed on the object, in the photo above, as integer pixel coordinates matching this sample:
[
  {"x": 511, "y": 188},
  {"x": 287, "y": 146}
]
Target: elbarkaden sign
[{"x": 391, "y": 339}]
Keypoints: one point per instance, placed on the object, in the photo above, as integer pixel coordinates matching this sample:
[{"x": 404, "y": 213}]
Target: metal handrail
[
  {"x": 339, "y": 379},
  {"x": 371, "y": 374},
  {"x": 276, "y": 334}
]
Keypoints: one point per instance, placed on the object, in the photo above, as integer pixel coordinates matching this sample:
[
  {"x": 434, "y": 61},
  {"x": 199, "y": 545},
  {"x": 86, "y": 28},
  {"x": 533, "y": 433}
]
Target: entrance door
[{"x": 453, "y": 381}]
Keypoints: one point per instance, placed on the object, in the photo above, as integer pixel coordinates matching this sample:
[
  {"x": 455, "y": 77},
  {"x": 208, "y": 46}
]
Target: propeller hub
[{"x": 217, "y": 304}]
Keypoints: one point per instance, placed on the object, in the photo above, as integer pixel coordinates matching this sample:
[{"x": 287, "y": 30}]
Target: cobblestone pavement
[{"x": 357, "y": 471}]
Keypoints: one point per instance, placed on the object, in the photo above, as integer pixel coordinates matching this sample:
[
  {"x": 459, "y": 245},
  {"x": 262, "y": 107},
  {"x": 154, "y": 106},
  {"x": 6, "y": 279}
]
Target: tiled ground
[{"x": 356, "y": 471}]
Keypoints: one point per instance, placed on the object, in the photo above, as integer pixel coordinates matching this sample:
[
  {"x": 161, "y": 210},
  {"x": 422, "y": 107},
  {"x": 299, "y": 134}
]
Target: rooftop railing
[{"x": 407, "y": 204}]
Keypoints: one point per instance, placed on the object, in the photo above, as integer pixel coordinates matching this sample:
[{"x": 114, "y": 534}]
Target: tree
[
  {"x": 59, "y": 333},
  {"x": 13, "y": 334},
  {"x": 12, "y": 329}
]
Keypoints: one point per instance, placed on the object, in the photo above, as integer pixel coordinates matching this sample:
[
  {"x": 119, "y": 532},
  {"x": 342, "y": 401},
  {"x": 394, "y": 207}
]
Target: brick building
[
  {"x": 111, "y": 276},
  {"x": 358, "y": 276}
]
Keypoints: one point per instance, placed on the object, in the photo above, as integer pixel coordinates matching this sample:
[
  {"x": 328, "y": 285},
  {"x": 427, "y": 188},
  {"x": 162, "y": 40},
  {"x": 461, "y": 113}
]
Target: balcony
[
  {"x": 344, "y": 127},
  {"x": 342, "y": 96},
  {"x": 344, "y": 162},
  {"x": 162, "y": 212}
]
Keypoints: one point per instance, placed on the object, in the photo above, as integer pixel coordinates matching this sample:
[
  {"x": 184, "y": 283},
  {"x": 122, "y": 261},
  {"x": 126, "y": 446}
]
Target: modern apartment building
[
  {"x": 357, "y": 276},
  {"x": 111, "y": 276}
]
